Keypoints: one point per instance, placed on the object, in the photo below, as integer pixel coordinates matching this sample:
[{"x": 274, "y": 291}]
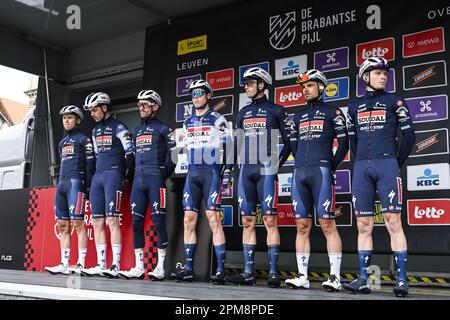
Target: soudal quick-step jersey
[
  {"x": 77, "y": 156},
  {"x": 260, "y": 121},
  {"x": 206, "y": 137},
  {"x": 315, "y": 127},
  {"x": 112, "y": 143},
  {"x": 372, "y": 127},
  {"x": 154, "y": 141}
]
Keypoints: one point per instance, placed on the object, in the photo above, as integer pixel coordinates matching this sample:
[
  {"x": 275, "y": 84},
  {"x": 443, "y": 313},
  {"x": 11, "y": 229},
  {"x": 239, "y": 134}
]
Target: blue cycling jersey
[
  {"x": 372, "y": 123},
  {"x": 314, "y": 129},
  {"x": 154, "y": 141},
  {"x": 112, "y": 143},
  {"x": 77, "y": 156},
  {"x": 257, "y": 120},
  {"x": 206, "y": 137}
]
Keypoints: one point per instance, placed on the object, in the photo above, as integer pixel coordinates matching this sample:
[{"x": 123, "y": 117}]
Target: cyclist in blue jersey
[
  {"x": 114, "y": 169},
  {"x": 259, "y": 125},
  {"x": 314, "y": 129},
  {"x": 372, "y": 124},
  {"x": 153, "y": 141},
  {"x": 206, "y": 135},
  {"x": 77, "y": 165}
]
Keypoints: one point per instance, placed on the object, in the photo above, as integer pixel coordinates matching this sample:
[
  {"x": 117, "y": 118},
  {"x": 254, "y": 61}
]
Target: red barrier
[{"x": 43, "y": 249}]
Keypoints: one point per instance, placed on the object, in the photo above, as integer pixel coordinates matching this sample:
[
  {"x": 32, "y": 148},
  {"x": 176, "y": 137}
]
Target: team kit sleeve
[
  {"x": 125, "y": 138},
  {"x": 170, "y": 143},
  {"x": 351, "y": 129},
  {"x": 404, "y": 120},
  {"x": 90, "y": 160},
  {"x": 339, "y": 124},
  {"x": 293, "y": 136},
  {"x": 285, "y": 130},
  {"x": 226, "y": 140},
  {"x": 94, "y": 143}
]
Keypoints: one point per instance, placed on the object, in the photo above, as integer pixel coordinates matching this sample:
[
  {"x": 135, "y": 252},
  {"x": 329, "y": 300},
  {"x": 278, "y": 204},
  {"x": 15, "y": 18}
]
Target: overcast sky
[{"x": 13, "y": 83}]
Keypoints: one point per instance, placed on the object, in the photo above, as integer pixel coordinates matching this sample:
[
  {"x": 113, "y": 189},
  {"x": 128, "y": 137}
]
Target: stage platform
[{"x": 37, "y": 285}]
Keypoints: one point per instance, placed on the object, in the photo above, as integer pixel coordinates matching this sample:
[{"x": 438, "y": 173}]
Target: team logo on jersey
[
  {"x": 372, "y": 117},
  {"x": 103, "y": 140},
  {"x": 67, "y": 150},
  {"x": 144, "y": 140},
  {"x": 254, "y": 123},
  {"x": 199, "y": 132},
  {"x": 315, "y": 126}
]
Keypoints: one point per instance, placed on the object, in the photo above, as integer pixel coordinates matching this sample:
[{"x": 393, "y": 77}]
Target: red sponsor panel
[
  {"x": 429, "y": 212},
  {"x": 384, "y": 48},
  {"x": 285, "y": 214},
  {"x": 424, "y": 42},
  {"x": 43, "y": 244},
  {"x": 221, "y": 79},
  {"x": 289, "y": 96}
]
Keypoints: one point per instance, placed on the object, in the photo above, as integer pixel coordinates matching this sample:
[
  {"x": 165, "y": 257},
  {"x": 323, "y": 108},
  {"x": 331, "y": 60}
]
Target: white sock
[
  {"x": 139, "y": 256},
  {"x": 302, "y": 263},
  {"x": 65, "y": 255},
  {"x": 101, "y": 255},
  {"x": 335, "y": 263},
  {"x": 116, "y": 249},
  {"x": 82, "y": 256},
  {"x": 161, "y": 257}
]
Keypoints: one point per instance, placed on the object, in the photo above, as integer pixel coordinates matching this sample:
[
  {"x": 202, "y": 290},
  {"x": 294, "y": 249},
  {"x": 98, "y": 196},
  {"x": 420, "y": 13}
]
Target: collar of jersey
[
  {"x": 260, "y": 100},
  {"x": 73, "y": 131},
  {"x": 374, "y": 93},
  {"x": 149, "y": 120}
]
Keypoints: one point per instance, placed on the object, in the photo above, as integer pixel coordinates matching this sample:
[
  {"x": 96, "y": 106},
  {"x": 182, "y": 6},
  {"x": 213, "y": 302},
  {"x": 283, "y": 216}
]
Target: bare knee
[
  {"x": 303, "y": 227},
  {"x": 189, "y": 220},
  {"x": 270, "y": 222},
  {"x": 63, "y": 226},
  {"x": 393, "y": 224},
  {"x": 365, "y": 226},
  {"x": 248, "y": 224},
  {"x": 328, "y": 227},
  {"x": 78, "y": 226}
]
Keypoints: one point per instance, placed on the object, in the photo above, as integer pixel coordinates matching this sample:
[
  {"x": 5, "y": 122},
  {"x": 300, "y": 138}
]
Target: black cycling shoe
[
  {"x": 358, "y": 286},
  {"x": 243, "y": 278},
  {"x": 273, "y": 280},
  {"x": 218, "y": 278},
  {"x": 401, "y": 288},
  {"x": 183, "y": 275}
]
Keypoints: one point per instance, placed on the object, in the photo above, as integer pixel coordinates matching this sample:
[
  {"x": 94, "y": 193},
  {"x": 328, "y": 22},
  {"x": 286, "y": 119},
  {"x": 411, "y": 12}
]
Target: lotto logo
[
  {"x": 429, "y": 212},
  {"x": 380, "y": 48}
]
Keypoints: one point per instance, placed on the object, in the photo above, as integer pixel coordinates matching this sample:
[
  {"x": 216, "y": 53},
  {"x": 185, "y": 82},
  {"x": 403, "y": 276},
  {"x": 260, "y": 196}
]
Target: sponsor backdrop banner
[{"x": 288, "y": 37}]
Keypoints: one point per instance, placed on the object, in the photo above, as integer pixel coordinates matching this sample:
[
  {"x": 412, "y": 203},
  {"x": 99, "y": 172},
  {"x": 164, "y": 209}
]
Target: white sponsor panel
[
  {"x": 288, "y": 68},
  {"x": 434, "y": 176},
  {"x": 284, "y": 184}
]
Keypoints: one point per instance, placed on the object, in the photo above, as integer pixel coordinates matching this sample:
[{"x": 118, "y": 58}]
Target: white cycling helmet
[
  {"x": 201, "y": 84},
  {"x": 371, "y": 64},
  {"x": 150, "y": 94},
  {"x": 94, "y": 99},
  {"x": 72, "y": 110},
  {"x": 258, "y": 74},
  {"x": 312, "y": 75}
]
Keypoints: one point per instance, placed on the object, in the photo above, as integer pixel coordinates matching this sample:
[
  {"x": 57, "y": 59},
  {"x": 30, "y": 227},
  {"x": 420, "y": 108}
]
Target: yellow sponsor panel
[
  {"x": 192, "y": 44},
  {"x": 331, "y": 90}
]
